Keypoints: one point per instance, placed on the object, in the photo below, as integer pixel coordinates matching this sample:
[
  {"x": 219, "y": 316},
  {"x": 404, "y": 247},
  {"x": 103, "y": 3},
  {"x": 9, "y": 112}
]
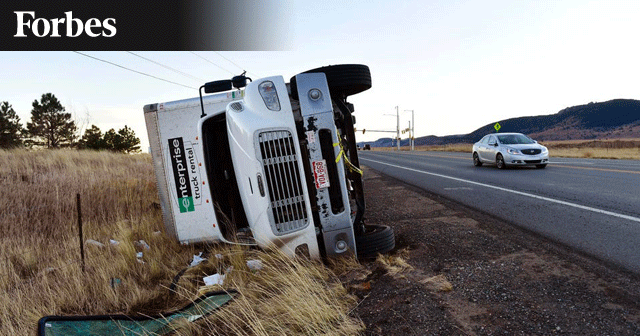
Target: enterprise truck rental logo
[{"x": 181, "y": 175}]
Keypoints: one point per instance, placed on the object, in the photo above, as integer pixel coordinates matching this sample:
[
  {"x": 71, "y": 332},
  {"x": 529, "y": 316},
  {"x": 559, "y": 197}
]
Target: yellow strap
[{"x": 348, "y": 163}]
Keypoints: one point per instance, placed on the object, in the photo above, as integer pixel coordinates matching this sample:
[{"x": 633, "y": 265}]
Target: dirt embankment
[{"x": 470, "y": 274}]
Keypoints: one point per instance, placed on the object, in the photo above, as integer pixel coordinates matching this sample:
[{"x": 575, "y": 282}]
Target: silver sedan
[{"x": 510, "y": 149}]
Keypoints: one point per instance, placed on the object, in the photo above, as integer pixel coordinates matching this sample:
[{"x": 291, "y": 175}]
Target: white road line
[
  {"x": 583, "y": 207},
  {"x": 571, "y": 162}
]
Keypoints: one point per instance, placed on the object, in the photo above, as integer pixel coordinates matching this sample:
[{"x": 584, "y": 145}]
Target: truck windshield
[{"x": 515, "y": 139}]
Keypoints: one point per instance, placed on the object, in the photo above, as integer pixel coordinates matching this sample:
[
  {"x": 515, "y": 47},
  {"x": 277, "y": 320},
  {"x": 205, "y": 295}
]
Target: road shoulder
[{"x": 457, "y": 271}]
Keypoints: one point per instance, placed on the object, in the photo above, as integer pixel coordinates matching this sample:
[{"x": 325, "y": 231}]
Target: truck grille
[{"x": 283, "y": 181}]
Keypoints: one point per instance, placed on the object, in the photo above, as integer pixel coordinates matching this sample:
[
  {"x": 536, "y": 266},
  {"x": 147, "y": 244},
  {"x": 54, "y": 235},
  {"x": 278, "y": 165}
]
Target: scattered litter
[
  {"x": 197, "y": 259},
  {"x": 94, "y": 243},
  {"x": 157, "y": 233},
  {"x": 215, "y": 279},
  {"x": 139, "y": 256},
  {"x": 219, "y": 256},
  {"x": 115, "y": 282},
  {"x": 255, "y": 264},
  {"x": 114, "y": 242},
  {"x": 142, "y": 244},
  {"x": 438, "y": 283}
]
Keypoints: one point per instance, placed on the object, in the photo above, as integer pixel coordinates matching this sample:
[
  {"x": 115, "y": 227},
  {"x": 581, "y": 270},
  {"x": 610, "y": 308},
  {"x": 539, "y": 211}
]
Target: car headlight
[
  {"x": 269, "y": 95},
  {"x": 513, "y": 151},
  {"x": 545, "y": 150}
]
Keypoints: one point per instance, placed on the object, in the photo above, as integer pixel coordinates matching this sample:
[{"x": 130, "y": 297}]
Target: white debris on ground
[
  {"x": 215, "y": 279},
  {"x": 114, "y": 242},
  {"x": 139, "y": 257},
  {"x": 254, "y": 265},
  {"x": 197, "y": 259},
  {"x": 219, "y": 256},
  {"x": 94, "y": 243},
  {"x": 143, "y": 244}
]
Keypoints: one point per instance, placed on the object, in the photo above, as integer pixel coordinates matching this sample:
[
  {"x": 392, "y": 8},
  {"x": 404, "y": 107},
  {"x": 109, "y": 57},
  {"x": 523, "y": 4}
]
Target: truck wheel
[
  {"x": 376, "y": 239},
  {"x": 343, "y": 79}
]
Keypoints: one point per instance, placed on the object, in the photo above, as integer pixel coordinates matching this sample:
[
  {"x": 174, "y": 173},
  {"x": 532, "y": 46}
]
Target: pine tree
[
  {"x": 129, "y": 142},
  {"x": 124, "y": 141},
  {"x": 92, "y": 139},
  {"x": 112, "y": 140},
  {"x": 10, "y": 127},
  {"x": 50, "y": 122}
]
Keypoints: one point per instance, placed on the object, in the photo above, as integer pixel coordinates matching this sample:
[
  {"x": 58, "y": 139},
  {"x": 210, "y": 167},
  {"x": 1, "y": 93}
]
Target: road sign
[{"x": 497, "y": 126}]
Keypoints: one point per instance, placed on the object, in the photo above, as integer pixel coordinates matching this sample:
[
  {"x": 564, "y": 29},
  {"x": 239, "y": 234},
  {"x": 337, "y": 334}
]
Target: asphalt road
[{"x": 589, "y": 204}]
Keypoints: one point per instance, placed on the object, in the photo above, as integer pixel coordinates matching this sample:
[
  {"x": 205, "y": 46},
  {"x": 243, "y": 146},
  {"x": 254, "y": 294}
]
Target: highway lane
[{"x": 592, "y": 205}]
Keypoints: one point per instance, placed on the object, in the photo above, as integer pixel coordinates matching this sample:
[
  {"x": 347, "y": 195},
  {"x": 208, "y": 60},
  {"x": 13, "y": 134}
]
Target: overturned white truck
[{"x": 268, "y": 162}]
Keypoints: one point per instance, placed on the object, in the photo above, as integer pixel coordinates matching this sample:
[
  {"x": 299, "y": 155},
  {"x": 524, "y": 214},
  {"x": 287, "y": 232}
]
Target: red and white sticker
[{"x": 320, "y": 173}]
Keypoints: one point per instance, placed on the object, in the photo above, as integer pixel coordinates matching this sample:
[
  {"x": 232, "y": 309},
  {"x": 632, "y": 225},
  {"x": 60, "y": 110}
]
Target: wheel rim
[
  {"x": 500, "y": 161},
  {"x": 475, "y": 159}
]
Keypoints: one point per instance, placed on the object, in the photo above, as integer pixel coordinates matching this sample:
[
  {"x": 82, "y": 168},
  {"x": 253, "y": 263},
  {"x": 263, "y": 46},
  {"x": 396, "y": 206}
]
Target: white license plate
[{"x": 320, "y": 174}]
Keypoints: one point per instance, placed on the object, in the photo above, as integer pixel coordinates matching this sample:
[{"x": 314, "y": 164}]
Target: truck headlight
[{"x": 269, "y": 95}]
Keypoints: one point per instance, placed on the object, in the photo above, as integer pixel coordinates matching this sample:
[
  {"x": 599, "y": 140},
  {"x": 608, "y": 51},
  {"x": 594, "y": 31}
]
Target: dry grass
[
  {"x": 628, "y": 149},
  {"x": 40, "y": 272}
]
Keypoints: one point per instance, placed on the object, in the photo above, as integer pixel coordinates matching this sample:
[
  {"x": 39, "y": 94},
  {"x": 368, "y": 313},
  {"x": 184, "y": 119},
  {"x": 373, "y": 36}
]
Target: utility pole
[
  {"x": 398, "y": 127},
  {"x": 412, "y": 140},
  {"x": 409, "y": 129}
]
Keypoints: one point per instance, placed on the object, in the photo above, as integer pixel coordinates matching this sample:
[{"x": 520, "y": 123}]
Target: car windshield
[{"x": 515, "y": 139}]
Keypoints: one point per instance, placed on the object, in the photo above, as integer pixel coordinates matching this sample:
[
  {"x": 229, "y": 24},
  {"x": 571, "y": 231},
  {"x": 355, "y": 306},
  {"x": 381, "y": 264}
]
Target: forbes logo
[{"x": 72, "y": 26}]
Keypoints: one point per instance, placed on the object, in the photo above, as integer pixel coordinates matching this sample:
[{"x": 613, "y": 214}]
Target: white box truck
[{"x": 266, "y": 162}]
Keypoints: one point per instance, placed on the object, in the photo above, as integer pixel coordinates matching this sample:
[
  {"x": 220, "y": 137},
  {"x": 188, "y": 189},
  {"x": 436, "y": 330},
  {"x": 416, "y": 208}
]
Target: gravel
[{"x": 506, "y": 281}]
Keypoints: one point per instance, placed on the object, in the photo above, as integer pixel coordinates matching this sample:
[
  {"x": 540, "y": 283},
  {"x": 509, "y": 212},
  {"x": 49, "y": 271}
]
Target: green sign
[
  {"x": 497, "y": 126},
  {"x": 186, "y": 204}
]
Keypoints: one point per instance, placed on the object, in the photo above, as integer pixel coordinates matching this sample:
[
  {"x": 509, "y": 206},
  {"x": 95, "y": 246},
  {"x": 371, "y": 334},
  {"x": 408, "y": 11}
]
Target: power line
[
  {"x": 136, "y": 71},
  {"x": 232, "y": 62},
  {"x": 166, "y": 67},
  {"x": 229, "y": 71}
]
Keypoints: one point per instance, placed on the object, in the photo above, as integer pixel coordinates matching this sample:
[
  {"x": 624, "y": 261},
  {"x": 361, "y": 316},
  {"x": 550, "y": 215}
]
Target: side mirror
[
  {"x": 212, "y": 87},
  {"x": 495, "y": 144},
  {"x": 217, "y": 86}
]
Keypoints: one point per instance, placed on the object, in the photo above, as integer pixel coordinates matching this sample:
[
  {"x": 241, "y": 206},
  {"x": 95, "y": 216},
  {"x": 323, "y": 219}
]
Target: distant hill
[{"x": 618, "y": 118}]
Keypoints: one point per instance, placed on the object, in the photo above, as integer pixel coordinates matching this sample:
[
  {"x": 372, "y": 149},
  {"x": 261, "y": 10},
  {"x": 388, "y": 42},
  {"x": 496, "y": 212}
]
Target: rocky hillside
[{"x": 618, "y": 118}]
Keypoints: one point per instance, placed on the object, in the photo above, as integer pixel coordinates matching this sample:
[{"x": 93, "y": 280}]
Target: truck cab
[{"x": 266, "y": 162}]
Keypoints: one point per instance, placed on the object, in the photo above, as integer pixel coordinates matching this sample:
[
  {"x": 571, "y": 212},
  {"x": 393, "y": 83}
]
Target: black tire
[
  {"x": 476, "y": 160},
  {"x": 500, "y": 162},
  {"x": 344, "y": 79},
  {"x": 541, "y": 166},
  {"x": 376, "y": 239}
]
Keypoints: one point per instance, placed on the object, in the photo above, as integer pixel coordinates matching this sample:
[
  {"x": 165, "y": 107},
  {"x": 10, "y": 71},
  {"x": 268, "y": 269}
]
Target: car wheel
[
  {"x": 476, "y": 160},
  {"x": 376, "y": 239},
  {"x": 500, "y": 162},
  {"x": 541, "y": 166},
  {"x": 343, "y": 79}
]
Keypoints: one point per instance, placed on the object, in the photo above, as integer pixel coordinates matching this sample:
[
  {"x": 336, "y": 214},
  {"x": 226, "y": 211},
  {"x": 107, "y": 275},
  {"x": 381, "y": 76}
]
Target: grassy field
[
  {"x": 628, "y": 149},
  {"x": 41, "y": 273}
]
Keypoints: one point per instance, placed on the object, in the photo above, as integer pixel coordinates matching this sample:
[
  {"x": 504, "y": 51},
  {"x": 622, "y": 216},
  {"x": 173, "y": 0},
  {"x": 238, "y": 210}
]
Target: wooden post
[{"x": 80, "y": 231}]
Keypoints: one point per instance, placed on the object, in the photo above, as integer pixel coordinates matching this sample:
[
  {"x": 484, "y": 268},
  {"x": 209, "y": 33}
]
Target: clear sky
[{"x": 458, "y": 64}]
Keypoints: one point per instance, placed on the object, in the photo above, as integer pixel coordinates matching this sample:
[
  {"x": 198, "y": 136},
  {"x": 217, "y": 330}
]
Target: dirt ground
[{"x": 467, "y": 273}]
